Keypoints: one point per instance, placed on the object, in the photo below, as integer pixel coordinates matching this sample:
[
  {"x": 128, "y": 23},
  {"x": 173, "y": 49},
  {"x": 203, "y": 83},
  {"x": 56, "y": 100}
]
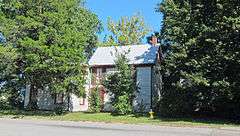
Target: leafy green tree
[
  {"x": 121, "y": 86},
  {"x": 201, "y": 68},
  {"x": 53, "y": 39},
  {"x": 8, "y": 77},
  {"x": 126, "y": 31}
]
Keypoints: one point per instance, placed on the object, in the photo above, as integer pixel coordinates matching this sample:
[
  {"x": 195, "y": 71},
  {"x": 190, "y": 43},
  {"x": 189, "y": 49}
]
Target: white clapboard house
[{"x": 145, "y": 58}]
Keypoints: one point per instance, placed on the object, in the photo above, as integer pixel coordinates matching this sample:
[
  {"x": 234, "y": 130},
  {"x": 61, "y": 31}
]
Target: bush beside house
[
  {"x": 95, "y": 104},
  {"x": 121, "y": 86}
]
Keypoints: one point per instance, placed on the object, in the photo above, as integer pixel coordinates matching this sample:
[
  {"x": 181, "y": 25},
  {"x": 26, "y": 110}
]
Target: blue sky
[{"x": 117, "y": 8}]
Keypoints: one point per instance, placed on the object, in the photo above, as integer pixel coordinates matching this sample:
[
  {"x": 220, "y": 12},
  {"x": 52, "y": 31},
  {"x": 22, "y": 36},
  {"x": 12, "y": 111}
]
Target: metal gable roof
[{"x": 138, "y": 54}]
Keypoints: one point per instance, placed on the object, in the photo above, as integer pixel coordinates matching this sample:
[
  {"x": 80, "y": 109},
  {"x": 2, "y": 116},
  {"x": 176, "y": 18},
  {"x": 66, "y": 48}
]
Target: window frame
[
  {"x": 82, "y": 101},
  {"x": 59, "y": 96}
]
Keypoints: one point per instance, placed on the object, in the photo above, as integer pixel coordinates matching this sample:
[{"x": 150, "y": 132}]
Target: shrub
[
  {"x": 94, "y": 100},
  {"x": 121, "y": 86},
  {"x": 123, "y": 105},
  {"x": 59, "y": 109},
  {"x": 4, "y": 104}
]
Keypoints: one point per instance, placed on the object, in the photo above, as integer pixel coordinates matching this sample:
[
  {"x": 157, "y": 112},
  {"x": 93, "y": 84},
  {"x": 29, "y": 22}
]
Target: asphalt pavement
[{"x": 15, "y": 127}]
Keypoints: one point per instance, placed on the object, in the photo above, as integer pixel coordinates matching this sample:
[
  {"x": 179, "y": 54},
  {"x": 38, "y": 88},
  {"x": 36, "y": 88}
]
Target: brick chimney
[{"x": 154, "y": 40}]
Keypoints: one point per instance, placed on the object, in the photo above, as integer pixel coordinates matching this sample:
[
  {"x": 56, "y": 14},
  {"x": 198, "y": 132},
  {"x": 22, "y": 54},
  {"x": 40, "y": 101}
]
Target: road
[{"x": 9, "y": 127}]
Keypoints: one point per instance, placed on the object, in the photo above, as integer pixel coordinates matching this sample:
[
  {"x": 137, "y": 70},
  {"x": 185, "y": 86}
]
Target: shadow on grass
[
  {"x": 89, "y": 112},
  {"x": 197, "y": 120},
  {"x": 201, "y": 120},
  {"x": 133, "y": 115},
  {"x": 26, "y": 113}
]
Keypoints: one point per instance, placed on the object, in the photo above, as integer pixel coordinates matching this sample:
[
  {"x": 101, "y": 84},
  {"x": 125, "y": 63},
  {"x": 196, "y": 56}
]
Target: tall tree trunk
[
  {"x": 68, "y": 97},
  {"x": 32, "y": 105}
]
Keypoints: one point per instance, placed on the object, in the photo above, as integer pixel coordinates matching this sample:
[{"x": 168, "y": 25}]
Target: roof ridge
[{"x": 125, "y": 45}]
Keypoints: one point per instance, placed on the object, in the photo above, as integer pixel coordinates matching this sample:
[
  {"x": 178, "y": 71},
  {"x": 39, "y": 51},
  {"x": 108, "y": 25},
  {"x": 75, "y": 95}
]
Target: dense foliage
[
  {"x": 8, "y": 66},
  {"x": 121, "y": 86},
  {"x": 9, "y": 79},
  {"x": 126, "y": 31},
  {"x": 94, "y": 100},
  {"x": 53, "y": 39},
  {"x": 201, "y": 70}
]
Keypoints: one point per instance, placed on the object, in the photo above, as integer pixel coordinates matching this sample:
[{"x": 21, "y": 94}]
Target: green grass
[{"x": 109, "y": 118}]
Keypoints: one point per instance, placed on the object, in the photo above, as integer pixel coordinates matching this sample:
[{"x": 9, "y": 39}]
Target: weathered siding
[
  {"x": 142, "y": 102},
  {"x": 45, "y": 100},
  {"x": 75, "y": 102},
  {"x": 27, "y": 96}
]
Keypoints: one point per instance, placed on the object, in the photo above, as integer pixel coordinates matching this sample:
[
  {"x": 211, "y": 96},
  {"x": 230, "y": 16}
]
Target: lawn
[{"x": 109, "y": 118}]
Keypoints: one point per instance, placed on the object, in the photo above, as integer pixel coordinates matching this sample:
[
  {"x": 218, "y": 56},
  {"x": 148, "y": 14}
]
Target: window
[
  {"x": 82, "y": 101},
  {"x": 99, "y": 72},
  {"x": 59, "y": 98},
  {"x": 111, "y": 70}
]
